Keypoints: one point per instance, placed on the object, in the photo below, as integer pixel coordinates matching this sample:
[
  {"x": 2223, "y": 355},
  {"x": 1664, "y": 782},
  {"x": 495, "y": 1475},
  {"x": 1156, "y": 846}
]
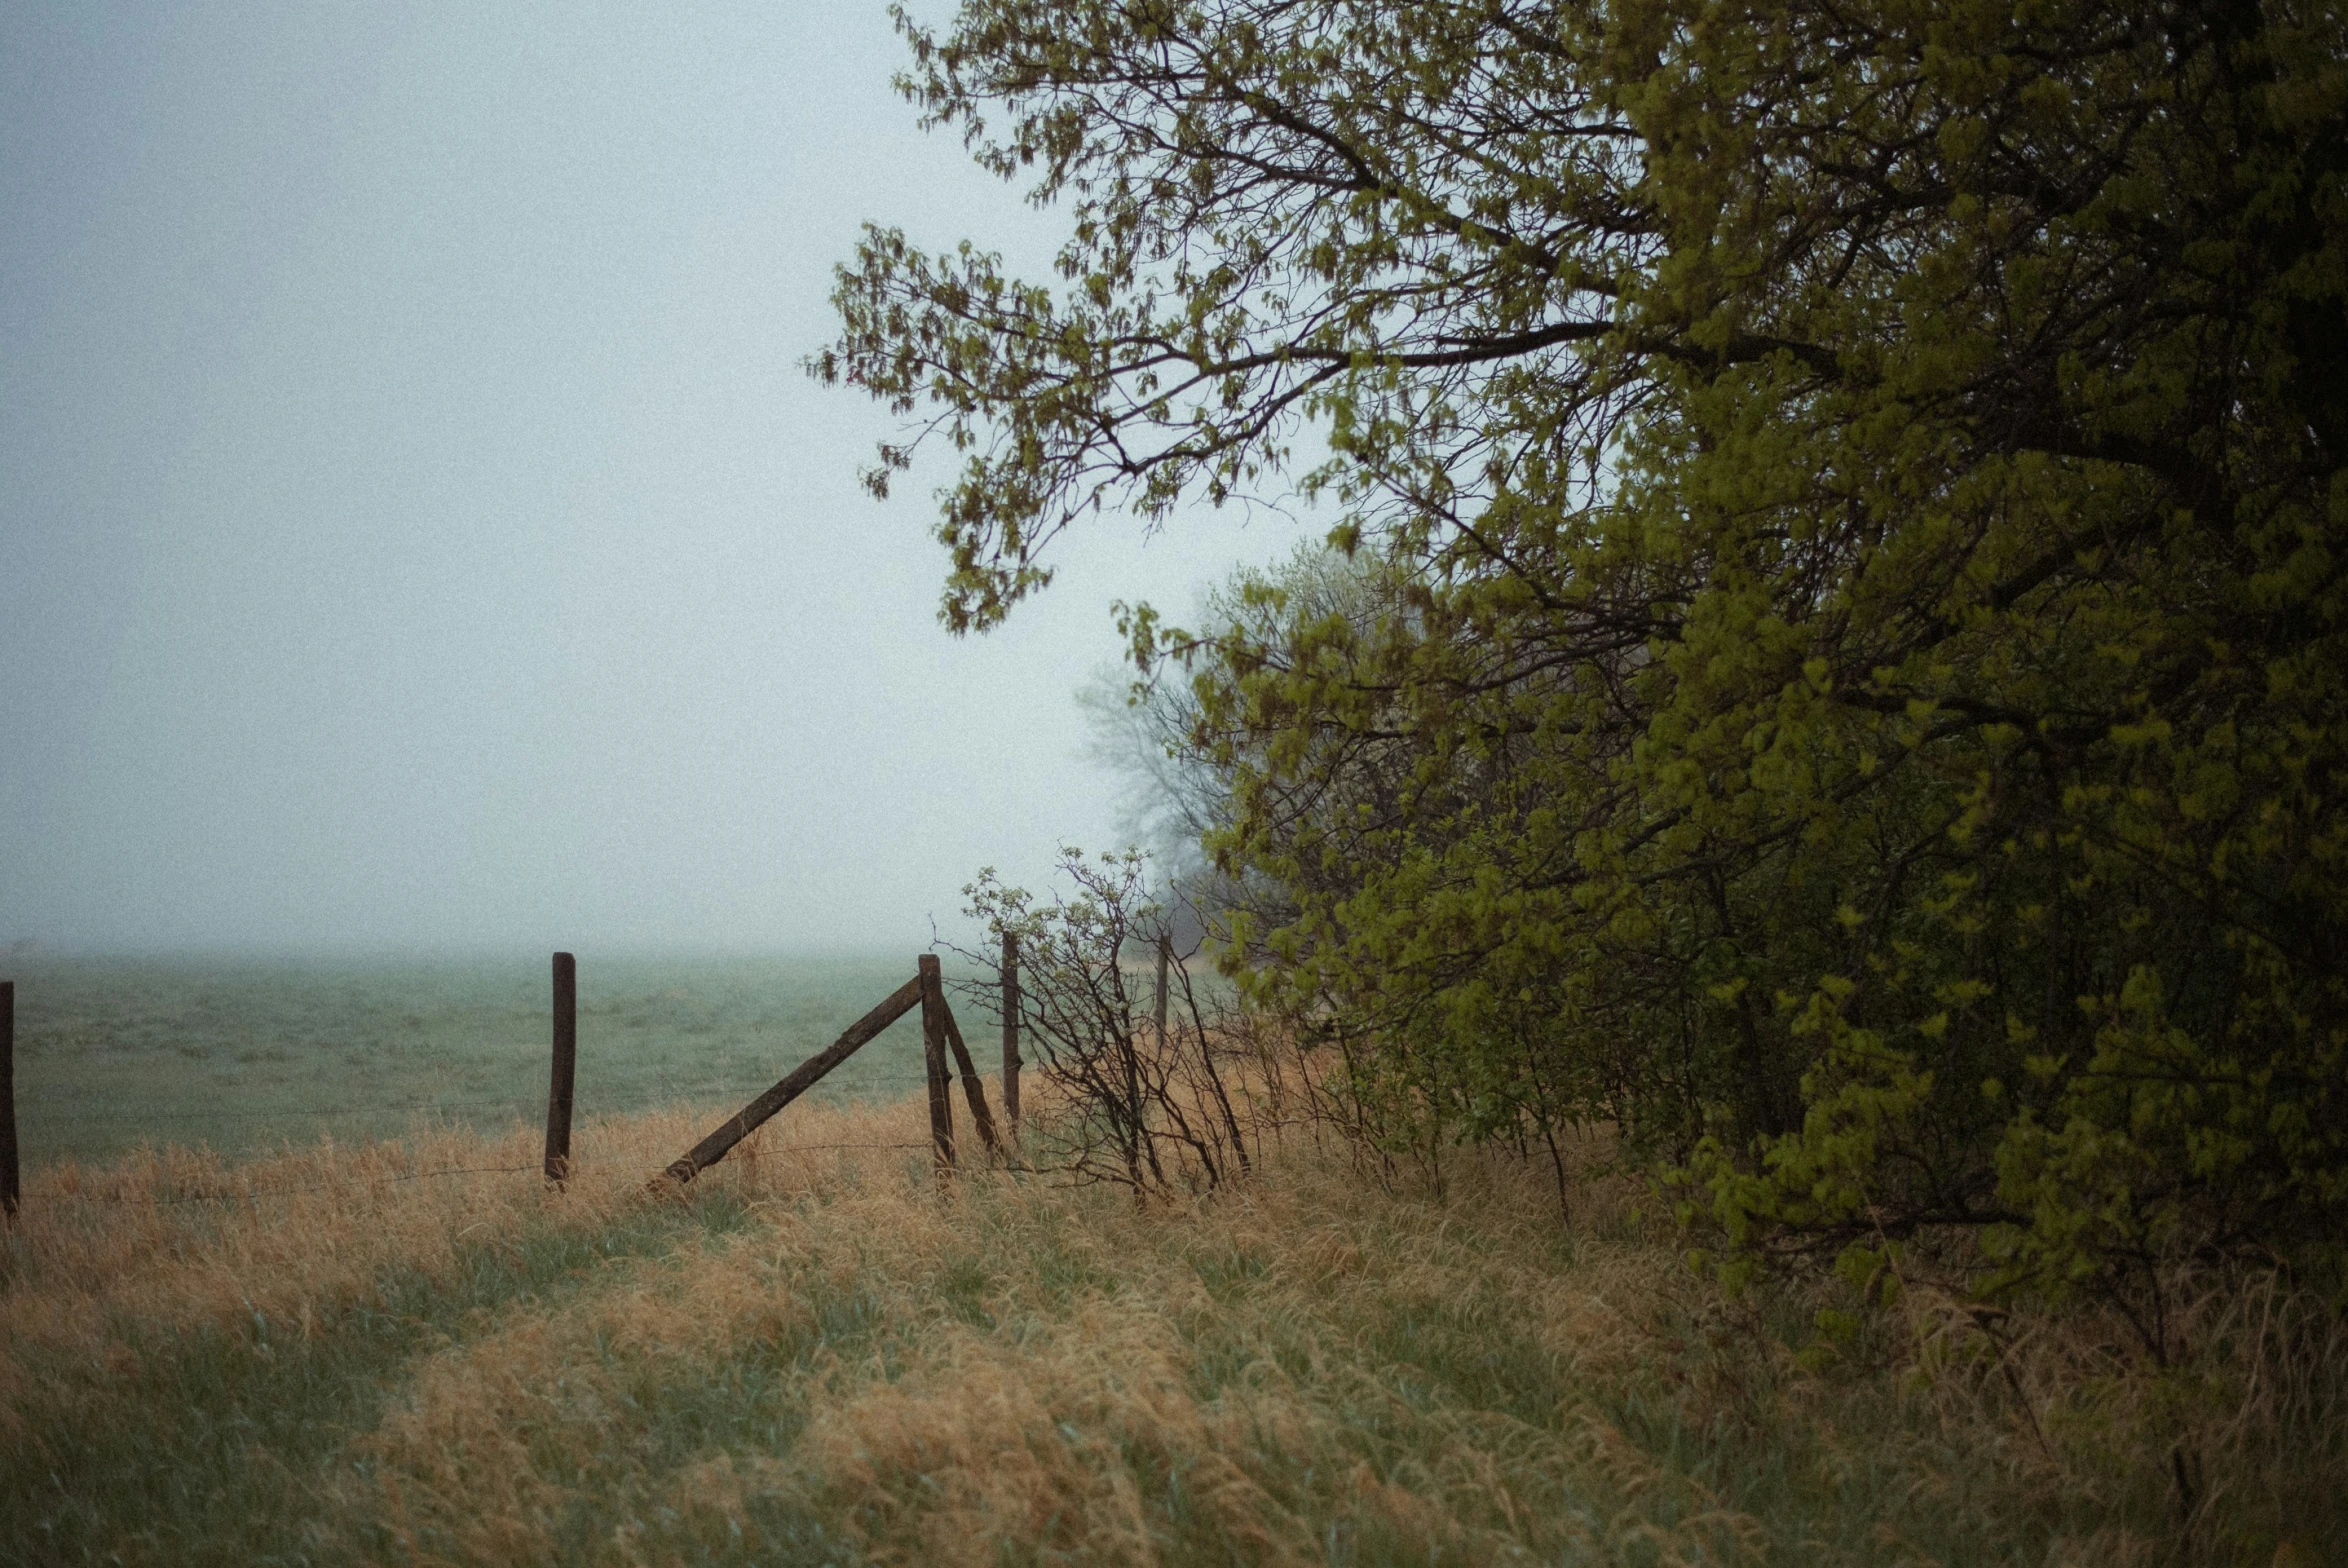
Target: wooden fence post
[
  {"x": 1011, "y": 1031},
  {"x": 1158, "y": 1006},
  {"x": 973, "y": 1092},
  {"x": 933, "y": 1050},
  {"x": 8, "y": 1189},
  {"x": 566, "y": 1058}
]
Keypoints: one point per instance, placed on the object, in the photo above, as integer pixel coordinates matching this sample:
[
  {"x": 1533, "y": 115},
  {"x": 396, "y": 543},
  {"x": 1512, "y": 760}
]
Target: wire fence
[
  {"x": 241, "y": 1191},
  {"x": 52, "y": 1110},
  {"x": 111, "y": 1109},
  {"x": 369, "y": 1121},
  {"x": 524, "y": 1105}
]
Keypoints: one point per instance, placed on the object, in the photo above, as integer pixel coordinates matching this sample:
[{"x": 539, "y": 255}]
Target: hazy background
[{"x": 416, "y": 530}]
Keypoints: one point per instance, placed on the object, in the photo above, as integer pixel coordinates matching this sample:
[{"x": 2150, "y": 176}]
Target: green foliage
[{"x": 1838, "y": 659}]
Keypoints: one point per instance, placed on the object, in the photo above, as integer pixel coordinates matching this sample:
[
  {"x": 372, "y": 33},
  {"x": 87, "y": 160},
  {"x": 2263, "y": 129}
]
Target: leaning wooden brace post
[
  {"x": 566, "y": 1061},
  {"x": 972, "y": 1089},
  {"x": 933, "y": 1052},
  {"x": 797, "y": 1082},
  {"x": 1011, "y": 1030},
  {"x": 8, "y": 1192}
]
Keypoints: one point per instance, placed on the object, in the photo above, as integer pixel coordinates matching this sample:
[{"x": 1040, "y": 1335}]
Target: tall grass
[{"x": 817, "y": 1354}]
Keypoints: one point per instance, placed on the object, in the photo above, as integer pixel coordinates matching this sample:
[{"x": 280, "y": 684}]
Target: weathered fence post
[
  {"x": 973, "y": 1091},
  {"x": 933, "y": 1050},
  {"x": 1011, "y": 1031},
  {"x": 8, "y": 1189},
  {"x": 1158, "y": 1006},
  {"x": 566, "y": 1059}
]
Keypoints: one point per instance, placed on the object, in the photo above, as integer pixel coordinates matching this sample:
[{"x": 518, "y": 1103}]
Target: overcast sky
[{"x": 415, "y": 527}]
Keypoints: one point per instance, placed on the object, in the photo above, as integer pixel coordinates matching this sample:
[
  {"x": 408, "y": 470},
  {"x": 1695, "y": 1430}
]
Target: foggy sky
[{"x": 415, "y": 527}]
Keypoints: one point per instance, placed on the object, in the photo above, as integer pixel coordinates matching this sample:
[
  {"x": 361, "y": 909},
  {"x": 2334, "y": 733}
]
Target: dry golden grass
[{"x": 817, "y": 1354}]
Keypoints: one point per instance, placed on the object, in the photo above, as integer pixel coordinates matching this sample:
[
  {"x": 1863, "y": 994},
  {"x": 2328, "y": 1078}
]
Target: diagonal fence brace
[
  {"x": 798, "y": 1081},
  {"x": 972, "y": 1089}
]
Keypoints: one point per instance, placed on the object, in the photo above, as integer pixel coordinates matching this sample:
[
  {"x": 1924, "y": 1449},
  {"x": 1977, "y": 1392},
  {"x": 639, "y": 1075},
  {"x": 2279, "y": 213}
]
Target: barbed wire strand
[
  {"x": 525, "y": 1106},
  {"x": 241, "y": 1193},
  {"x": 114, "y": 1112}
]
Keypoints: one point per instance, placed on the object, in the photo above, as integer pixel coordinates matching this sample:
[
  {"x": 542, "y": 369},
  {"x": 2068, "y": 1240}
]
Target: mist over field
[{"x": 419, "y": 533}]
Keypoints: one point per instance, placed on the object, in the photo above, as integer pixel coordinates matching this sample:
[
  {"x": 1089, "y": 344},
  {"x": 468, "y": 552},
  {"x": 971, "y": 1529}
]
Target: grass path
[{"x": 815, "y": 1357}]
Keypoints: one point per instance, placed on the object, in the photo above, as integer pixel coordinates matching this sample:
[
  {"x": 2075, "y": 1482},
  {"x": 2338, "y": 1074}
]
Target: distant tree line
[{"x": 1833, "y": 653}]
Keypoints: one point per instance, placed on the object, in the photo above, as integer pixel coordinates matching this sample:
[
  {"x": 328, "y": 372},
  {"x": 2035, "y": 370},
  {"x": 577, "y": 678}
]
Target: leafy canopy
[{"x": 1838, "y": 659}]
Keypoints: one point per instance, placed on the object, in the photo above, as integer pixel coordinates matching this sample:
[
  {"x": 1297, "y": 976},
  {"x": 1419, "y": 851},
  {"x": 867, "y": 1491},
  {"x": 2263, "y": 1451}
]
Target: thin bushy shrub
[{"x": 1136, "y": 1044}]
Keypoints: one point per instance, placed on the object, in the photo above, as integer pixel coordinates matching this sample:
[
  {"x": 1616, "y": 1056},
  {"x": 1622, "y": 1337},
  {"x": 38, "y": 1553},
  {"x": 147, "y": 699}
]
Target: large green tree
[{"x": 1841, "y": 665}]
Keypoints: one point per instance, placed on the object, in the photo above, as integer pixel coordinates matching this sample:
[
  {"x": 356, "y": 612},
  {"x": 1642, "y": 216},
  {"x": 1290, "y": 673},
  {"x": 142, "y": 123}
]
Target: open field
[
  {"x": 817, "y": 1356},
  {"x": 253, "y": 1054}
]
